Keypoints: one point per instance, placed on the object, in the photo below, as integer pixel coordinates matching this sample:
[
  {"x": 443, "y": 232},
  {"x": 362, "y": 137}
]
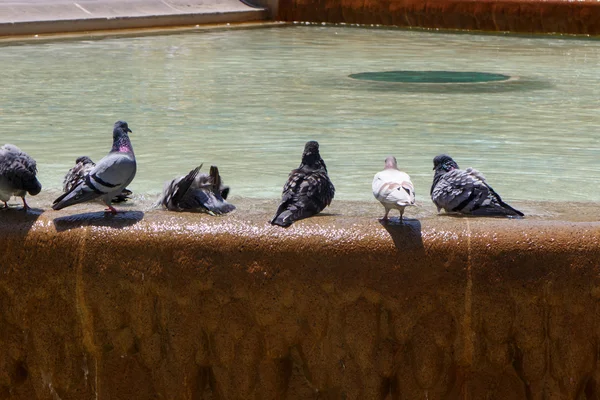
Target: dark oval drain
[{"x": 430, "y": 77}]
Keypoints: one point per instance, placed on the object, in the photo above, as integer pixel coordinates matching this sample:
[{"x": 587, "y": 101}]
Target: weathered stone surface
[
  {"x": 530, "y": 16},
  {"x": 159, "y": 305}
]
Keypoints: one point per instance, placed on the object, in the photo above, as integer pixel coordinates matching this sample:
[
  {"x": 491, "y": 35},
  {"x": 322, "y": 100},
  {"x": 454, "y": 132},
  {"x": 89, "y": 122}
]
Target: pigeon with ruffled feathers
[
  {"x": 197, "y": 192},
  {"x": 393, "y": 188},
  {"x": 465, "y": 191},
  {"x": 77, "y": 174},
  {"x": 17, "y": 175},
  {"x": 307, "y": 191},
  {"x": 108, "y": 177}
]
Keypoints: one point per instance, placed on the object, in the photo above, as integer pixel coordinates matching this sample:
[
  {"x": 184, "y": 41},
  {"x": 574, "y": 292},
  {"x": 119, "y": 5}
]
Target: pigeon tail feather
[
  {"x": 285, "y": 219},
  {"x": 78, "y": 194}
]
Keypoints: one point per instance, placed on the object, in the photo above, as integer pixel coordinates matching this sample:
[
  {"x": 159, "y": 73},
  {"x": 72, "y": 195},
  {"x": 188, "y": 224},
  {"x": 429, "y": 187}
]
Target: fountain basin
[{"x": 155, "y": 304}]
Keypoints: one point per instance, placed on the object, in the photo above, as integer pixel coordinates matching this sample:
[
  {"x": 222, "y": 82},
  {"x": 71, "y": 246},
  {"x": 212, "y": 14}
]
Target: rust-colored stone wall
[
  {"x": 194, "y": 307},
  {"x": 529, "y": 16}
]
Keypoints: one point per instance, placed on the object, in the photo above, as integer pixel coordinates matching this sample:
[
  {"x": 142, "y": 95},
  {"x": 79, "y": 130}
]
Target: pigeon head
[
  {"x": 311, "y": 153},
  {"x": 11, "y": 148},
  {"x": 121, "y": 142},
  {"x": 391, "y": 163},
  {"x": 444, "y": 163},
  {"x": 34, "y": 187},
  {"x": 122, "y": 125},
  {"x": 84, "y": 160}
]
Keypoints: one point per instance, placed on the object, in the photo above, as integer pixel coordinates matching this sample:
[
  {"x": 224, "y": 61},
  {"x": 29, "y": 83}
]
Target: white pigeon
[
  {"x": 17, "y": 175},
  {"x": 108, "y": 178},
  {"x": 393, "y": 188}
]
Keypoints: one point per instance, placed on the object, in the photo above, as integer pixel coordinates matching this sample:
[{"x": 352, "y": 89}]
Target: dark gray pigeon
[
  {"x": 108, "y": 178},
  {"x": 197, "y": 192},
  {"x": 465, "y": 191},
  {"x": 17, "y": 175},
  {"x": 77, "y": 174},
  {"x": 307, "y": 191}
]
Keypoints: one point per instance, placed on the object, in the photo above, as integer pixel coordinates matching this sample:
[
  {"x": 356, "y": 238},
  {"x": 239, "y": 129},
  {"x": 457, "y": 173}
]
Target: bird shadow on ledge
[
  {"x": 406, "y": 235},
  {"x": 17, "y": 218},
  {"x": 118, "y": 221}
]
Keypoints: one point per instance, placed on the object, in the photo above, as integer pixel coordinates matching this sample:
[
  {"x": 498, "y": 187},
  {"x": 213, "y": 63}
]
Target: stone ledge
[
  {"x": 525, "y": 16},
  {"x": 161, "y": 305},
  {"x": 44, "y": 17}
]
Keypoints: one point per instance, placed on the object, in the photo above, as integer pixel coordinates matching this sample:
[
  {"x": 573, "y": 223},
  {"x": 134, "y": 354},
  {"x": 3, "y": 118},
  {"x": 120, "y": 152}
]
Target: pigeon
[
  {"x": 307, "y": 191},
  {"x": 197, "y": 192},
  {"x": 393, "y": 188},
  {"x": 77, "y": 174},
  {"x": 17, "y": 175},
  {"x": 465, "y": 191},
  {"x": 106, "y": 179}
]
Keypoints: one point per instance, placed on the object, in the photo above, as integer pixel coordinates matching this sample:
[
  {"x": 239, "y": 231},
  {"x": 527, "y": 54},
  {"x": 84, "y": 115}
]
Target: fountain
[{"x": 151, "y": 304}]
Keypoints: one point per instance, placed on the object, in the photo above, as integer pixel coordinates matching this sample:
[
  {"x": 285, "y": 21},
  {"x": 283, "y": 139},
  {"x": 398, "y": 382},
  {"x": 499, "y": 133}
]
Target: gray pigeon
[
  {"x": 197, "y": 192},
  {"x": 465, "y": 191},
  {"x": 77, "y": 174},
  {"x": 307, "y": 191},
  {"x": 108, "y": 178},
  {"x": 17, "y": 175}
]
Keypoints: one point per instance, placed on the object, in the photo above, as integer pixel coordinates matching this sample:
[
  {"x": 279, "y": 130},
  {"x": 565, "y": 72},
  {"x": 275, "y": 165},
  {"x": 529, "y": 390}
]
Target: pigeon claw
[
  {"x": 25, "y": 205},
  {"x": 111, "y": 210}
]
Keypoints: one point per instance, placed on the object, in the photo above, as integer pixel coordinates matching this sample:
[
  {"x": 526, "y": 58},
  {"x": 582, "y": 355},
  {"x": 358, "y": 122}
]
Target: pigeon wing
[
  {"x": 393, "y": 187},
  {"x": 77, "y": 174},
  {"x": 466, "y": 191},
  {"x": 492, "y": 204},
  {"x": 320, "y": 190},
  {"x": 457, "y": 191},
  {"x": 176, "y": 190}
]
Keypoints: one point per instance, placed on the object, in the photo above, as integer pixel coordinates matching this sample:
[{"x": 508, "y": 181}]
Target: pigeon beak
[{"x": 129, "y": 130}]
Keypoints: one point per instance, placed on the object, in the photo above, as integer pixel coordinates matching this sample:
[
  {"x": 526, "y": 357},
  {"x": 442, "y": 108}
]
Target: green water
[{"x": 248, "y": 100}]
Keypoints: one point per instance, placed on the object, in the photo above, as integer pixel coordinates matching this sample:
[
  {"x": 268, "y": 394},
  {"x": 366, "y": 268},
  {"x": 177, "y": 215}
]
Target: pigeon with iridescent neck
[
  {"x": 108, "y": 177},
  {"x": 307, "y": 191},
  {"x": 17, "y": 175},
  {"x": 76, "y": 175},
  {"x": 465, "y": 191},
  {"x": 393, "y": 188}
]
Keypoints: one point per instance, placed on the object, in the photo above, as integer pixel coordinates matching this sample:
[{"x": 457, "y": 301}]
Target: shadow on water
[
  {"x": 16, "y": 218},
  {"x": 518, "y": 85},
  {"x": 118, "y": 221},
  {"x": 406, "y": 235}
]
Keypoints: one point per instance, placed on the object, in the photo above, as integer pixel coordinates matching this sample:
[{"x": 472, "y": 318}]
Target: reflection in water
[{"x": 248, "y": 100}]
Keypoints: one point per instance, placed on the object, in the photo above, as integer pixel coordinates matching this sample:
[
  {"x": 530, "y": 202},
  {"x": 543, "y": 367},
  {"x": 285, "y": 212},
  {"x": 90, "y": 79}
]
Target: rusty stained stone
[
  {"x": 526, "y": 16},
  {"x": 194, "y": 307}
]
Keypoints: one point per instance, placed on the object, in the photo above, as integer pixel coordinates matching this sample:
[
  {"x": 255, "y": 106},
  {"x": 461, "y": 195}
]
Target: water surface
[{"x": 248, "y": 100}]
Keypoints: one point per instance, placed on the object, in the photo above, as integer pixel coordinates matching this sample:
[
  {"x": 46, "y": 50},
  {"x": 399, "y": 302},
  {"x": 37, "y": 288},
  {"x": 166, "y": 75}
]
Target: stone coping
[
  {"x": 153, "y": 304},
  {"x": 31, "y": 17}
]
